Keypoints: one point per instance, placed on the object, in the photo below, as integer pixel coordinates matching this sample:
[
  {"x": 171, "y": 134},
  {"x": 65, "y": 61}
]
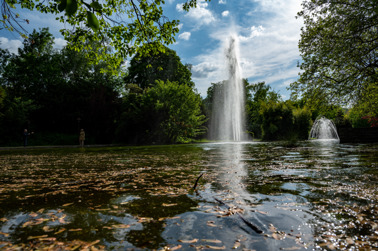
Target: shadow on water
[{"x": 317, "y": 195}]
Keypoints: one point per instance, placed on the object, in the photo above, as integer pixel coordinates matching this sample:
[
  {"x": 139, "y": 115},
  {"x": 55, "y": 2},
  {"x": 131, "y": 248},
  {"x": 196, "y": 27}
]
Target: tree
[
  {"x": 257, "y": 95},
  {"x": 277, "y": 121},
  {"x": 62, "y": 87},
  {"x": 165, "y": 113},
  {"x": 144, "y": 70},
  {"x": 123, "y": 24},
  {"x": 339, "y": 49}
]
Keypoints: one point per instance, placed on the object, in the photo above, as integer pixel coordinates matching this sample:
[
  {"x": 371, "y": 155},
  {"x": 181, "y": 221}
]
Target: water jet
[
  {"x": 227, "y": 122},
  {"x": 323, "y": 128}
]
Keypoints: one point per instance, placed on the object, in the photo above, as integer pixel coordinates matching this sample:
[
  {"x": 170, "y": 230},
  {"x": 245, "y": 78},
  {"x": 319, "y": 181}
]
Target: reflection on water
[{"x": 318, "y": 195}]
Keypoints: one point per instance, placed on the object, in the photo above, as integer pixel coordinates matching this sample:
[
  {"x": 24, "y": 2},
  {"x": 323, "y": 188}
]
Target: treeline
[
  {"x": 55, "y": 93},
  {"x": 269, "y": 117}
]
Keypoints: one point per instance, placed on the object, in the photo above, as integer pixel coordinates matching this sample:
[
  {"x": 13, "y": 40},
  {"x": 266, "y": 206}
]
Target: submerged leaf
[
  {"x": 37, "y": 237},
  {"x": 212, "y": 241},
  {"x": 189, "y": 241},
  {"x": 215, "y": 247}
]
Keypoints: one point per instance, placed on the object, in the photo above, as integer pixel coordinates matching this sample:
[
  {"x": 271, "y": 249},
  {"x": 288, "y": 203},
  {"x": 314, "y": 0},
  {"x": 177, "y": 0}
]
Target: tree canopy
[
  {"x": 121, "y": 25},
  {"x": 145, "y": 70},
  {"x": 339, "y": 48},
  {"x": 55, "y": 91}
]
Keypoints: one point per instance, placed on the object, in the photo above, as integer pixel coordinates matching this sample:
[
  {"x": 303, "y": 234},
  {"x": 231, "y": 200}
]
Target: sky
[{"x": 266, "y": 30}]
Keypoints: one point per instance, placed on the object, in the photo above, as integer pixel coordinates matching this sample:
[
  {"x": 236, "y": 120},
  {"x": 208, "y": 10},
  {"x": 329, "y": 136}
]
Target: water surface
[{"x": 316, "y": 195}]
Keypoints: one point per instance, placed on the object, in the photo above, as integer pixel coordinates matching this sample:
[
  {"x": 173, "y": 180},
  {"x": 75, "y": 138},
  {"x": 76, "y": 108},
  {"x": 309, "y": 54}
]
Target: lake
[{"x": 214, "y": 196}]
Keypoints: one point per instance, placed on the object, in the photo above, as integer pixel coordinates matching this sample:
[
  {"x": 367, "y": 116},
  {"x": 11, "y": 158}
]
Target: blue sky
[{"x": 267, "y": 31}]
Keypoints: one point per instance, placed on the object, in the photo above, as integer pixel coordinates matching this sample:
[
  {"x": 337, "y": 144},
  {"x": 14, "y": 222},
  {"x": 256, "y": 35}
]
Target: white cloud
[
  {"x": 222, "y": 2},
  {"x": 11, "y": 45},
  {"x": 204, "y": 70},
  {"x": 179, "y": 7},
  {"x": 268, "y": 47},
  {"x": 59, "y": 43},
  {"x": 200, "y": 14},
  {"x": 225, "y": 13},
  {"x": 254, "y": 32},
  {"x": 184, "y": 35}
]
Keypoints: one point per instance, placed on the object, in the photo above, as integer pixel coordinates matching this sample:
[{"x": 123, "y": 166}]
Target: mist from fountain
[
  {"x": 323, "y": 128},
  {"x": 227, "y": 123}
]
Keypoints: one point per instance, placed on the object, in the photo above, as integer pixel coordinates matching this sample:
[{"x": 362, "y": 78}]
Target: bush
[
  {"x": 302, "y": 122},
  {"x": 282, "y": 121},
  {"x": 166, "y": 113},
  {"x": 278, "y": 121}
]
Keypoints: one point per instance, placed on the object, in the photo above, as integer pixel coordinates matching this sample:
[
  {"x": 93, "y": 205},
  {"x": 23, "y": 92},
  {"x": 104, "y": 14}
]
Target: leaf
[
  {"x": 212, "y": 241},
  {"x": 121, "y": 226},
  {"x": 96, "y": 6},
  {"x": 261, "y": 212},
  {"x": 92, "y": 21},
  {"x": 5, "y": 234},
  {"x": 272, "y": 228},
  {"x": 189, "y": 241},
  {"x": 75, "y": 229},
  {"x": 236, "y": 245},
  {"x": 176, "y": 247},
  {"x": 47, "y": 239},
  {"x": 27, "y": 223},
  {"x": 47, "y": 229},
  {"x": 37, "y": 237},
  {"x": 279, "y": 235},
  {"x": 292, "y": 248},
  {"x": 215, "y": 247},
  {"x": 169, "y": 205},
  {"x": 33, "y": 214},
  {"x": 61, "y": 219},
  {"x": 62, "y": 5},
  {"x": 71, "y": 7}
]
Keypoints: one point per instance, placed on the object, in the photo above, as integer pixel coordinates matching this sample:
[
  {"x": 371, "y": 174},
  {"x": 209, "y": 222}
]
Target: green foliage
[
  {"x": 277, "y": 121},
  {"x": 179, "y": 106},
  {"x": 166, "y": 113},
  {"x": 368, "y": 104},
  {"x": 54, "y": 139},
  {"x": 338, "y": 46},
  {"x": 62, "y": 86},
  {"x": 56, "y": 93},
  {"x": 215, "y": 90},
  {"x": 357, "y": 120},
  {"x": 256, "y": 96},
  {"x": 146, "y": 69},
  {"x": 120, "y": 24},
  {"x": 302, "y": 122},
  {"x": 14, "y": 117}
]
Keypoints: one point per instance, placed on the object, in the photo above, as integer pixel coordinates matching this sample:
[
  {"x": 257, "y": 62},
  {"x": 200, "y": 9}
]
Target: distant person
[
  {"x": 25, "y": 136},
  {"x": 82, "y": 137}
]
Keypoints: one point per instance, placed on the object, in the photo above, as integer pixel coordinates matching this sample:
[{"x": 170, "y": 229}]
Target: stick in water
[{"x": 195, "y": 185}]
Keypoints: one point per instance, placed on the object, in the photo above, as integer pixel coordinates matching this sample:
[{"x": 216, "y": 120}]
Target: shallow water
[{"x": 317, "y": 195}]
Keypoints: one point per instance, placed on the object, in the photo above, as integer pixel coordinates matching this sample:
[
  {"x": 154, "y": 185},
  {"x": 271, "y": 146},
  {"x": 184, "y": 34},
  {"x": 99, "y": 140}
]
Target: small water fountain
[
  {"x": 228, "y": 103},
  {"x": 323, "y": 128}
]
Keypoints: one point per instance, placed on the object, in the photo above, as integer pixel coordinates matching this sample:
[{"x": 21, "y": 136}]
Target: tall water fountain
[
  {"x": 323, "y": 128},
  {"x": 227, "y": 123}
]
